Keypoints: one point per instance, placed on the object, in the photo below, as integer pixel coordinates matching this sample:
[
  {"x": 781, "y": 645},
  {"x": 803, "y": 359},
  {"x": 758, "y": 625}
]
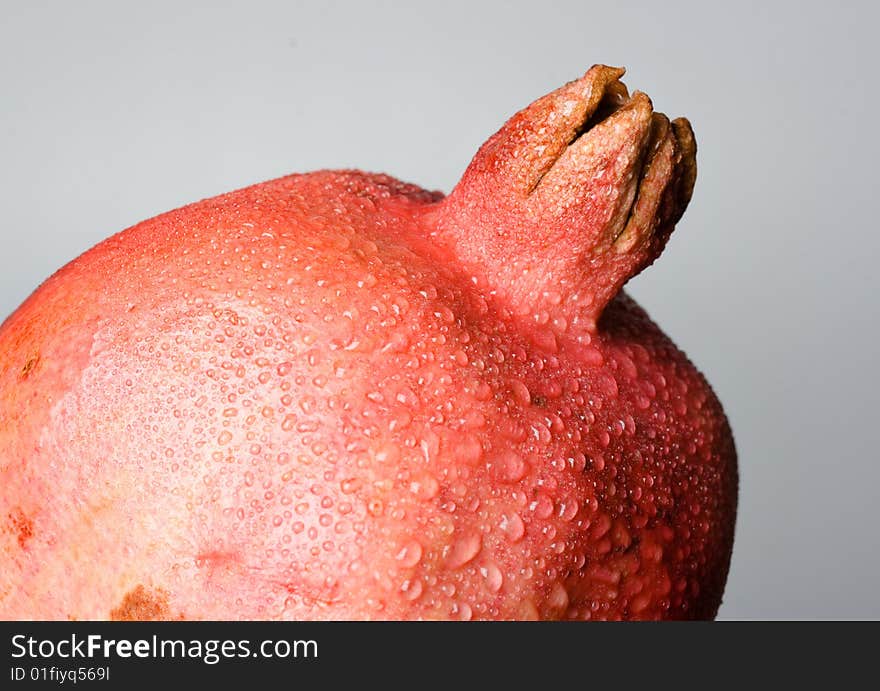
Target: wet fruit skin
[{"x": 338, "y": 396}]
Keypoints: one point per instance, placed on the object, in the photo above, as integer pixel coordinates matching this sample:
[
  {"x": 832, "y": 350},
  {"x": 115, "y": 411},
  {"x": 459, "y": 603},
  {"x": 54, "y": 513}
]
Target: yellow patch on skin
[
  {"x": 21, "y": 525},
  {"x": 29, "y": 366},
  {"x": 141, "y": 604}
]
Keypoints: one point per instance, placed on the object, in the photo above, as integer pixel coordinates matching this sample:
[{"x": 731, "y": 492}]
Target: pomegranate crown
[{"x": 581, "y": 190}]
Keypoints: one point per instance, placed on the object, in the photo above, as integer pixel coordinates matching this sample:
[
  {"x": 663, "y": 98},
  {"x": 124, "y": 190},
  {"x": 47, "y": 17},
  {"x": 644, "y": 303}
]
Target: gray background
[{"x": 114, "y": 112}]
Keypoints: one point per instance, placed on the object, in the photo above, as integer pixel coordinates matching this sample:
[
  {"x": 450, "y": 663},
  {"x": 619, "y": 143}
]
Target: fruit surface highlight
[{"x": 336, "y": 395}]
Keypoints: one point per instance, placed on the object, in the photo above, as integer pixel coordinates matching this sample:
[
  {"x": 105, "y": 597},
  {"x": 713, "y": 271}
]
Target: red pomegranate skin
[{"x": 339, "y": 396}]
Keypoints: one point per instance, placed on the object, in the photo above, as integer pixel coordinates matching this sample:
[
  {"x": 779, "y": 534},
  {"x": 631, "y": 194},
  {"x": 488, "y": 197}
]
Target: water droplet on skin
[
  {"x": 558, "y": 598},
  {"x": 390, "y": 453},
  {"x": 508, "y": 466},
  {"x": 590, "y": 356},
  {"x": 410, "y": 554},
  {"x": 350, "y": 485},
  {"x": 578, "y": 462},
  {"x": 552, "y": 389},
  {"x": 545, "y": 339},
  {"x": 542, "y": 506},
  {"x": 520, "y": 392},
  {"x": 527, "y": 611},
  {"x": 411, "y": 589},
  {"x": 224, "y": 437},
  {"x": 289, "y": 422},
  {"x": 601, "y": 526},
  {"x": 482, "y": 391},
  {"x": 462, "y": 611},
  {"x": 640, "y": 603},
  {"x": 468, "y": 450},
  {"x": 513, "y": 527},
  {"x": 568, "y": 509},
  {"x": 553, "y": 297},
  {"x": 425, "y": 487},
  {"x": 445, "y": 315},
  {"x": 407, "y": 397},
  {"x": 398, "y": 342},
  {"x": 284, "y": 369},
  {"x": 607, "y": 385},
  {"x": 463, "y": 550},
  {"x": 400, "y": 419},
  {"x": 627, "y": 367},
  {"x": 620, "y": 535},
  {"x": 560, "y": 323},
  {"x": 430, "y": 445},
  {"x": 494, "y": 577},
  {"x": 541, "y": 433},
  {"x": 474, "y": 419}
]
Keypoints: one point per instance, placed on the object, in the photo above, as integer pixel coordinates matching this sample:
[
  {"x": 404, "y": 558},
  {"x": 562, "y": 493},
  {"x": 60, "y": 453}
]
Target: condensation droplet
[
  {"x": 411, "y": 589},
  {"x": 520, "y": 392},
  {"x": 558, "y": 598},
  {"x": 350, "y": 485},
  {"x": 463, "y": 611},
  {"x": 410, "y": 554},
  {"x": 527, "y": 611},
  {"x": 546, "y": 340},
  {"x": 509, "y": 466},
  {"x": 494, "y": 577},
  {"x": 542, "y": 506},
  {"x": 464, "y": 550},
  {"x": 513, "y": 527},
  {"x": 468, "y": 450},
  {"x": 389, "y": 453},
  {"x": 425, "y": 487}
]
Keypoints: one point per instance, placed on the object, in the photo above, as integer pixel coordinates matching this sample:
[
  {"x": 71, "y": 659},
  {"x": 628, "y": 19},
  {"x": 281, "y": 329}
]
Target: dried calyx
[{"x": 582, "y": 188}]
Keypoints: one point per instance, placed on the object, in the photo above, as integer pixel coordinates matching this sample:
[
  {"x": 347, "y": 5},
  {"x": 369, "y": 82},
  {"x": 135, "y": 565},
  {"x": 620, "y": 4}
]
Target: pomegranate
[{"x": 339, "y": 396}]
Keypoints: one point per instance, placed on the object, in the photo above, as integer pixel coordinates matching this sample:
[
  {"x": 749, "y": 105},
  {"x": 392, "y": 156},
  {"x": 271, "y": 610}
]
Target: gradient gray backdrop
[{"x": 113, "y": 112}]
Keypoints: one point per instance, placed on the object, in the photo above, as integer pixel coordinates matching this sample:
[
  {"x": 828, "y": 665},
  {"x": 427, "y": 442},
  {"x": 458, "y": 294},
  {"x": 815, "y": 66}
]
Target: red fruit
[{"x": 337, "y": 395}]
